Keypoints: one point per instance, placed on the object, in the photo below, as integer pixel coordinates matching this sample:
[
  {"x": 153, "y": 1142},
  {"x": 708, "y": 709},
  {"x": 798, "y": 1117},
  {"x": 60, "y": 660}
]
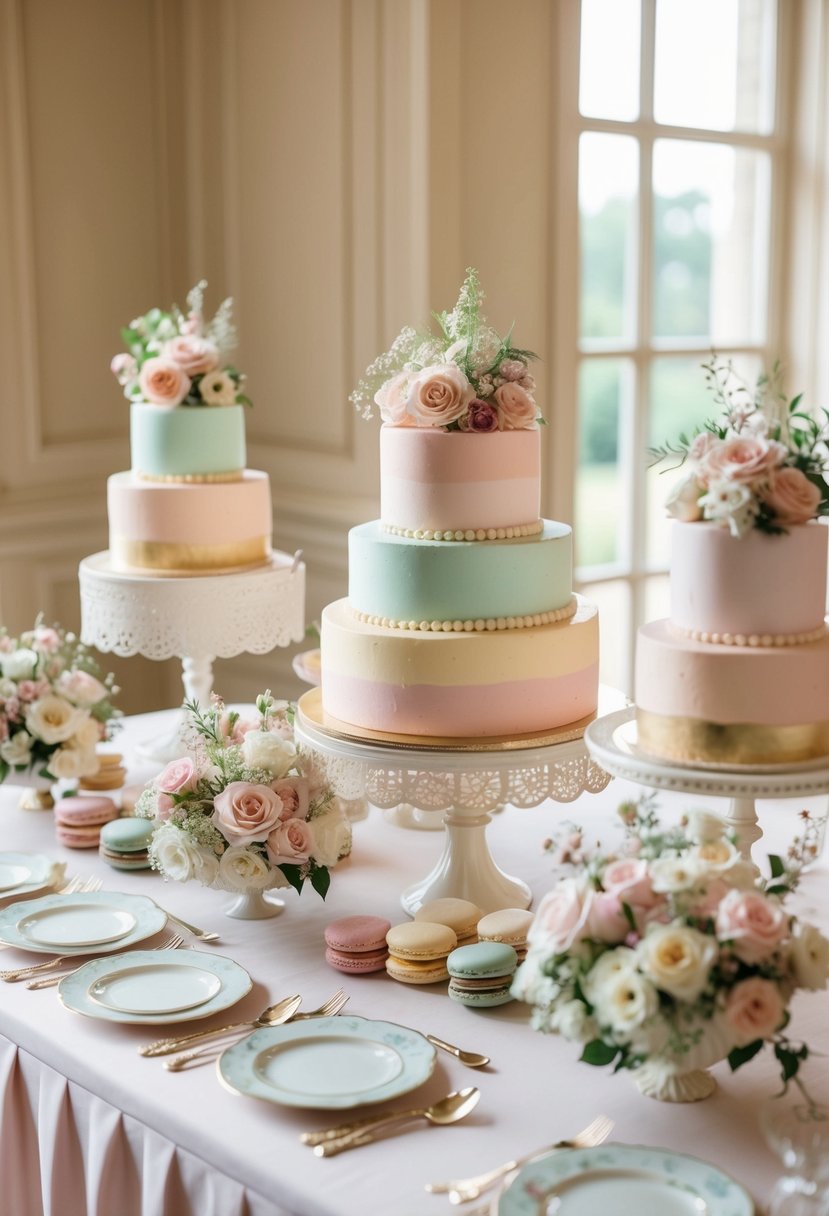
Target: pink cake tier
[
  {"x": 448, "y": 482},
  {"x": 175, "y": 528},
  {"x": 731, "y": 704},
  {"x": 767, "y": 589},
  {"x": 459, "y": 684}
]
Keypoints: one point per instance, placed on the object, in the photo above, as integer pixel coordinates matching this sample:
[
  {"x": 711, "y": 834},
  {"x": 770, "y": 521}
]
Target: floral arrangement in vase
[
  {"x": 244, "y": 811},
  {"x": 55, "y": 705},
  {"x": 177, "y": 358},
  {"x": 670, "y": 954},
  {"x": 761, "y": 463},
  {"x": 466, "y": 378}
]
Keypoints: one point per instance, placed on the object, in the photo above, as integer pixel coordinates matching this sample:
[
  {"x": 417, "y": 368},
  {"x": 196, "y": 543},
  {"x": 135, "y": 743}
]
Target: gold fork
[
  {"x": 464, "y": 1190},
  {"x": 204, "y": 1055},
  {"x": 51, "y": 981}
]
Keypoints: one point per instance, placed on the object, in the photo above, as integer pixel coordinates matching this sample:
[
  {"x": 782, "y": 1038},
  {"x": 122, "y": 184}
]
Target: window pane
[
  {"x": 609, "y": 64},
  {"x": 710, "y": 242},
  {"x": 605, "y": 401},
  {"x": 657, "y": 598},
  {"x": 608, "y": 177},
  {"x": 615, "y": 649},
  {"x": 714, "y": 65}
]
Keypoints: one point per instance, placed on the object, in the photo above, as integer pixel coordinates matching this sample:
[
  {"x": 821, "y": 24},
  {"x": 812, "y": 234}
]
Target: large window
[{"x": 678, "y": 137}]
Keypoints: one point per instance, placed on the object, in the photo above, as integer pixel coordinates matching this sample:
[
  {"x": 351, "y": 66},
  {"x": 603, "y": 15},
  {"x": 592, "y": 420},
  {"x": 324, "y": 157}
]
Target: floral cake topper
[
  {"x": 466, "y": 378},
  {"x": 176, "y": 358},
  {"x": 761, "y": 464}
]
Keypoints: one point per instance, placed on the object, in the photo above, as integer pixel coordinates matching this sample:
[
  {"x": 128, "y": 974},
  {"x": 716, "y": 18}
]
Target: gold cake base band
[
  {"x": 174, "y": 558},
  {"x": 689, "y": 739},
  {"x": 197, "y": 479}
]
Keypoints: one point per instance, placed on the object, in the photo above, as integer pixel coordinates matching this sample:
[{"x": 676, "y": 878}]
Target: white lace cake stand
[
  {"x": 612, "y": 743},
  {"x": 196, "y": 619},
  {"x": 466, "y": 781}
]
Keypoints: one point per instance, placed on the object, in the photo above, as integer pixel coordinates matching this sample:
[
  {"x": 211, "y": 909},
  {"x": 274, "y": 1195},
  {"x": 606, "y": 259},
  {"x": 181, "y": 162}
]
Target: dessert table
[{"x": 89, "y": 1127}]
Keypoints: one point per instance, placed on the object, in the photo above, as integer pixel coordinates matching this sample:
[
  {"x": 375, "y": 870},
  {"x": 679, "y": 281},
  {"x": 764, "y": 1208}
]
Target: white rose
[
  {"x": 331, "y": 832},
  {"x": 88, "y": 734},
  {"x": 670, "y": 874},
  {"x": 606, "y": 969},
  {"x": 72, "y": 762},
  {"x": 19, "y": 665},
  {"x": 572, "y": 1021},
  {"x": 240, "y": 869},
  {"x": 683, "y": 501},
  {"x": 18, "y": 749},
  {"x": 53, "y": 719},
  {"x": 715, "y": 856},
  {"x": 810, "y": 958},
  {"x": 624, "y": 1002},
  {"x": 677, "y": 959},
  {"x": 177, "y": 856},
  {"x": 218, "y": 388},
  {"x": 8, "y": 688},
  {"x": 267, "y": 750},
  {"x": 529, "y": 978},
  {"x": 702, "y": 826}
]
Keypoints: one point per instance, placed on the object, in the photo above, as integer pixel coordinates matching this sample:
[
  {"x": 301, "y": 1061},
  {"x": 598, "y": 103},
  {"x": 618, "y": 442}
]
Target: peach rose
[
  {"x": 562, "y": 916},
  {"x": 628, "y": 878},
  {"x": 754, "y": 1009},
  {"x": 791, "y": 496},
  {"x": 438, "y": 395},
  {"x": 607, "y": 921},
  {"x": 701, "y": 445},
  {"x": 163, "y": 382},
  {"x": 245, "y": 813},
  {"x": 391, "y": 399},
  {"x": 742, "y": 459},
  {"x": 754, "y": 923},
  {"x": 294, "y": 794},
  {"x": 193, "y": 355},
  {"x": 516, "y": 408},
  {"x": 290, "y": 843},
  {"x": 179, "y": 777}
]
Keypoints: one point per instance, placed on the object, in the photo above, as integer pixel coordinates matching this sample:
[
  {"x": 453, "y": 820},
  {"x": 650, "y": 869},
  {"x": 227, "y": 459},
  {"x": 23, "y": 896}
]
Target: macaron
[
  {"x": 125, "y": 843},
  {"x": 461, "y": 915},
  {"x": 78, "y": 820},
  {"x": 357, "y": 944},
  {"x": 418, "y": 951},
  {"x": 509, "y": 925},
  {"x": 482, "y": 974},
  {"x": 110, "y": 775}
]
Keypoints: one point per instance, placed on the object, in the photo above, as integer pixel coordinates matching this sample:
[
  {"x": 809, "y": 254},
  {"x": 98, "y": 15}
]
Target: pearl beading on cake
[
  {"x": 192, "y": 478},
  {"x": 750, "y": 639},
  {"x": 481, "y": 625},
  {"x": 467, "y": 534}
]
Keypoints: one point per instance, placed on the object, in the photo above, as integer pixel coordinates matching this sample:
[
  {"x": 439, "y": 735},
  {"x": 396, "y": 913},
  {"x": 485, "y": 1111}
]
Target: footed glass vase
[{"x": 684, "y": 1077}]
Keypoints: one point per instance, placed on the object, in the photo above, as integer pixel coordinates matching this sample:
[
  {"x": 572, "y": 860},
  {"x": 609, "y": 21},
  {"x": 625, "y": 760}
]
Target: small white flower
[
  {"x": 8, "y": 688},
  {"x": 218, "y": 388},
  {"x": 177, "y": 856},
  {"x": 268, "y": 750},
  {"x": 18, "y": 749},
  {"x": 572, "y": 1021},
  {"x": 810, "y": 958},
  {"x": 683, "y": 502},
  {"x": 715, "y": 856},
  {"x": 669, "y": 874},
  {"x": 730, "y": 503},
  {"x": 703, "y": 826},
  {"x": 20, "y": 664}
]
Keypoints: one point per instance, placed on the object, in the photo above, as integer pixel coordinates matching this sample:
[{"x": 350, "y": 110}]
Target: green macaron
[
  {"x": 124, "y": 843},
  {"x": 481, "y": 975}
]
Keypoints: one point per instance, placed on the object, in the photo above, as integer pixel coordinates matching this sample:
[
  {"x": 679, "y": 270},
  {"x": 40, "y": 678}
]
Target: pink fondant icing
[
  {"x": 511, "y": 707},
  {"x": 433, "y": 479},
  {"x": 215, "y": 513},
  {"x": 755, "y": 584}
]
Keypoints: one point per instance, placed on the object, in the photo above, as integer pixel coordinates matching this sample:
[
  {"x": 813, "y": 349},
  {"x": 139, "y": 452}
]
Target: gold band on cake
[
  {"x": 690, "y": 739},
  {"x": 174, "y": 558},
  {"x": 477, "y": 625},
  {"x": 454, "y": 534},
  {"x": 192, "y": 478}
]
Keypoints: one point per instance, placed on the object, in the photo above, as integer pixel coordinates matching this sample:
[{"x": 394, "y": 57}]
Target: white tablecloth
[{"x": 89, "y": 1127}]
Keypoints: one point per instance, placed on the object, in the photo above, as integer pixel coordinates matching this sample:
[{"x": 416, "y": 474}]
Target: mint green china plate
[
  {"x": 94, "y": 922},
  {"x": 622, "y": 1180},
  {"x": 24, "y": 873},
  {"x": 329, "y": 1063}
]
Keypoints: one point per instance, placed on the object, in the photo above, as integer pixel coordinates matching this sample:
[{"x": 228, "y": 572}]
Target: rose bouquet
[
  {"x": 761, "y": 464},
  {"x": 173, "y": 358},
  {"x": 55, "y": 706},
  {"x": 244, "y": 811},
  {"x": 670, "y": 954},
  {"x": 467, "y": 378}
]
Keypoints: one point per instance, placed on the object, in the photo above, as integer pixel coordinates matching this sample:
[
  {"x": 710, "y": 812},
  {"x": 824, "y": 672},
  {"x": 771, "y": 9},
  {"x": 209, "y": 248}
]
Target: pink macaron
[
  {"x": 357, "y": 944},
  {"x": 78, "y": 821}
]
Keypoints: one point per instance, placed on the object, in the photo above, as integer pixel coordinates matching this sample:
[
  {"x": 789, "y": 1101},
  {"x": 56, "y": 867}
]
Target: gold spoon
[
  {"x": 472, "y": 1059},
  {"x": 272, "y": 1016},
  {"x": 451, "y": 1109}
]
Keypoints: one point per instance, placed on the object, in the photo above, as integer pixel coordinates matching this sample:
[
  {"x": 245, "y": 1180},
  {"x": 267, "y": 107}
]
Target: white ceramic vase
[
  {"x": 685, "y": 1077},
  {"x": 254, "y": 905}
]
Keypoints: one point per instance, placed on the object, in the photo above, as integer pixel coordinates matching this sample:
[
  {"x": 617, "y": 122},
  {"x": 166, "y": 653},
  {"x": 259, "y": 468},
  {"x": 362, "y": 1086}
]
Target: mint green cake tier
[
  {"x": 187, "y": 441},
  {"x": 399, "y": 578}
]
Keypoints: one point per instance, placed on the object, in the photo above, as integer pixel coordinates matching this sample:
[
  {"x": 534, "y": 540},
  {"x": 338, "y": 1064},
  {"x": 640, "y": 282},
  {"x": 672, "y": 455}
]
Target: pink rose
[
  {"x": 480, "y": 417},
  {"x": 245, "y": 813},
  {"x": 290, "y": 843},
  {"x": 237, "y": 732},
  {"x": 702, "y": 445},
  {"x": 124, "y": 368},
  {"x": 81, "y": 688},
  {"x": 46, "y": 640},
  {"x": 791, "y": 496},
  {"x": 516, "y": 407},
  {"x": 391, "y": 399},
  {"x": 754, "y": 923},
  {"x": 29, "y": 690},
  {"x": 163, "y": 807},
  {"x": 295, "y": 795},
  {"x": 163, "y": 382},
  {"x": 561, "y": 919},
  {"x": 193, "y": 355},
  {"x": 628, "y": 878},
  {"x": 179, "y": 777},
  {"x": 754, "y": 1009},
  {"x": 741, "y": 459},
  {"x": 512, "y": 369},
  {"x": 607, "y": 921},
  {"x": 438, "y": 395}
]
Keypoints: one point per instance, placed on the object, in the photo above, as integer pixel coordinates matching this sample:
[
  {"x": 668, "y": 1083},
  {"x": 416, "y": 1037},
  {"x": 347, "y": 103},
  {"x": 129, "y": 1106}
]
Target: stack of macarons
[
  {"x": 460, "y": 915},
  {"x": 418, "y": 951},
  {"x": 125, "y": 843},
  {"x": 78, "y": 820},
  {"x": 111, "y": 774},
  {"x": 508, "y": 925},
  {"x": 481, "y": 975},
  {"x": 356, "y": 945}
]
